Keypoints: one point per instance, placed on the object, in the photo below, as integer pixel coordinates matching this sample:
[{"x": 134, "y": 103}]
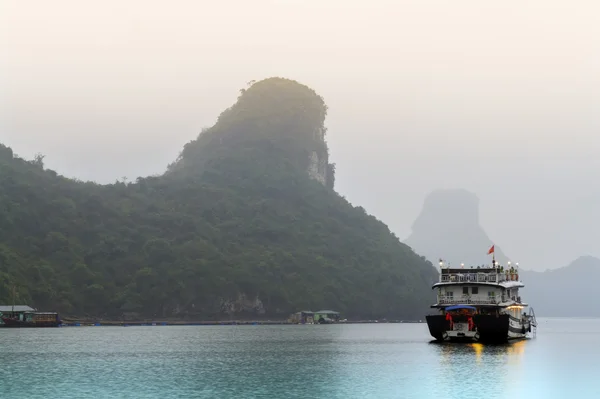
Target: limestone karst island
[{"x": 245, "y": 224}]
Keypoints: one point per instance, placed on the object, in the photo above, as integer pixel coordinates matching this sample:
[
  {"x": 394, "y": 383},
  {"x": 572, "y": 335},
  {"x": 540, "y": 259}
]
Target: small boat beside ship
[{"x": 480, "y": 304}]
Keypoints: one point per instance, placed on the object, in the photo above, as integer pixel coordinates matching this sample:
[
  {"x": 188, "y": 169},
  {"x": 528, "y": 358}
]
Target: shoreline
[{"x": 139, "y": 323}]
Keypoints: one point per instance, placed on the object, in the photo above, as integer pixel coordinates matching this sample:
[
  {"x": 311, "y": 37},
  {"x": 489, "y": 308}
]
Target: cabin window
[
  {"x": 450, "y": 293},
  {"x": 466, "y": 290},
  {"x": 491, "y": 293},
  {"x": 475, "y": 290}
]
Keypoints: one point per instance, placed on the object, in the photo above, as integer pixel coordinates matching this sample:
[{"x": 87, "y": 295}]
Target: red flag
[{"x": 491, "y": 250}]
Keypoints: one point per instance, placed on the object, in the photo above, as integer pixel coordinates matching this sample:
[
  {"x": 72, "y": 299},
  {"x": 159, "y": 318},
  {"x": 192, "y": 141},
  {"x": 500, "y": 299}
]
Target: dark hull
[
  {"x": 12, "y": 323},
  {"x": 490, "y": 328}
]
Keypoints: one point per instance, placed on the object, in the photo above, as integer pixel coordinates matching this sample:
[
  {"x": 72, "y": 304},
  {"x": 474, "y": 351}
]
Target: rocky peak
[
  {"x": 448, "y": 228},
  {"x": 272, "y": 117}
]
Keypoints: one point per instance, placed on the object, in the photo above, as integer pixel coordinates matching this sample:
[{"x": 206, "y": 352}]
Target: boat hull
[{"x": 487, "y": 328}]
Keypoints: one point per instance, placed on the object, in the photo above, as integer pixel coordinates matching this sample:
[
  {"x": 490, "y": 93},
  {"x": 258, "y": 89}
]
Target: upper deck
[{"x": 487, "y": 276}]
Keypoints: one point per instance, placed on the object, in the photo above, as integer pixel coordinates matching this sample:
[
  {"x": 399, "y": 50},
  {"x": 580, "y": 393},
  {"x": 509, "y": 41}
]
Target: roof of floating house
[
  {"x": 328, "y": 312},
  {"x": 17, "y": 308}
]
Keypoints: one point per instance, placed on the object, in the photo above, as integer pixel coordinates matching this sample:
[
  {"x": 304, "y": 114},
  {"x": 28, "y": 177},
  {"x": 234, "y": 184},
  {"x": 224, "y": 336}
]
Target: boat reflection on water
[
  {"x": 515, "y": 352},
  {"x": 512, "y": 352},
  {"x": 478, "y": 348}
]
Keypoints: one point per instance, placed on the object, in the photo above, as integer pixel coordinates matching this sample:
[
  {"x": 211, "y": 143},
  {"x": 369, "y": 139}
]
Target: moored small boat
[
  {"x": 31, "y": 319},
  {"x": 25, "y": 316}
]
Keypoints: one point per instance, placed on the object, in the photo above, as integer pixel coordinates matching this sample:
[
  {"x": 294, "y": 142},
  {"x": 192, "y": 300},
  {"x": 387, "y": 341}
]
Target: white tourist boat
[{"x": 480, "y": 304}]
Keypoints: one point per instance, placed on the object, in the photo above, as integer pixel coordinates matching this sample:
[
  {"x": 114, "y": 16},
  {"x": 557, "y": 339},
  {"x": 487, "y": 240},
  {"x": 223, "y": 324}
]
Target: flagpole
[{"x": 492, "y": 250}]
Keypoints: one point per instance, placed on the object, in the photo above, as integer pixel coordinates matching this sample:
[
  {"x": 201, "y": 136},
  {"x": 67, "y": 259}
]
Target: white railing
[
  {"x": 478, "y": 277},
  {"x": 514, "y": 298},
  {"x": 469, "y": 299},
  {"x": 475, "y": 299}
]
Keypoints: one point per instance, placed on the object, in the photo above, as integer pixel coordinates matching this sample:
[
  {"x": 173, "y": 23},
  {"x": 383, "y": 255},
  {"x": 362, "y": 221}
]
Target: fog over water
[{"x": 498, "y": 98}]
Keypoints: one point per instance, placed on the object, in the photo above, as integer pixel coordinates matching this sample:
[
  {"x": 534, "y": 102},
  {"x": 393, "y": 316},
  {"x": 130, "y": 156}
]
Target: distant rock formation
[{"x": 448, "y": 228}]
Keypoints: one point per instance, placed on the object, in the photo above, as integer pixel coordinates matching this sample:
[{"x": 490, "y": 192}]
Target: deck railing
[
  {"x": 478, "y": 277},
  {"x": 468, "y": 300},
  {"x": 475, "y": 299}
]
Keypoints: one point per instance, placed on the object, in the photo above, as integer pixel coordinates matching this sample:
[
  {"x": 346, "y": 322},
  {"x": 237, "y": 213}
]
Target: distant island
[
  {"x": 566, "y": 291},
  {"x": 244, "y": 224},
  {"x": 448, "y": 227}
]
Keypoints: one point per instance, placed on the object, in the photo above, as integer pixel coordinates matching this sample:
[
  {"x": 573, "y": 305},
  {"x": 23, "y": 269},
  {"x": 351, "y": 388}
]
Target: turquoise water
[{"x": 329, "y": 361}]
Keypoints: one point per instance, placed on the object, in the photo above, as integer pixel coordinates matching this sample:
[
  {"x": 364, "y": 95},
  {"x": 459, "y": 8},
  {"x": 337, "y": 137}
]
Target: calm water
[{"x": 335, "y": 361}]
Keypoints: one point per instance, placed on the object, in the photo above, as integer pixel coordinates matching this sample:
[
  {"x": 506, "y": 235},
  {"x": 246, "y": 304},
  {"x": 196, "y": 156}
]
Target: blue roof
[{"x": 456, "y": 307}]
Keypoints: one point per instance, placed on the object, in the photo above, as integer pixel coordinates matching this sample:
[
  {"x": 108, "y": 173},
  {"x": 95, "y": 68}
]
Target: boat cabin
[{"x": 478, "y": 286}]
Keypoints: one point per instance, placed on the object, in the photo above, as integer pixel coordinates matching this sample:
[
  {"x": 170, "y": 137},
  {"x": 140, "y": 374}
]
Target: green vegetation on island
[{"x": 245, "y": 223}]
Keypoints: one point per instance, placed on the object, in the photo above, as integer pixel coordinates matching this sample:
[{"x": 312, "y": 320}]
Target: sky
[{"x": 499, "y": 98}]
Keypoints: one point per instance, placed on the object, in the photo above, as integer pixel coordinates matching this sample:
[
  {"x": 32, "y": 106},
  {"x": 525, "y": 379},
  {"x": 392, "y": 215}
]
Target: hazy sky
[{"x": 500, "y": 98}]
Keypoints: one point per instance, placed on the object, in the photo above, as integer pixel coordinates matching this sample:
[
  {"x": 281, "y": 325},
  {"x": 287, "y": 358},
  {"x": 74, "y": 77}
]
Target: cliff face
[
  {"x": 317, "y": 168},
  {"x": 448, "y": 228},
  {"x": 245, "y": 224}
]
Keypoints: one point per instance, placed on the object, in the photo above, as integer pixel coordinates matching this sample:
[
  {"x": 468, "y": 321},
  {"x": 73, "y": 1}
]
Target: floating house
[
  {"x": 16, "y": 311},
  {"x": 26, "y": 316},
  {"x": 302, "y": 317},
  {"x": 326, "y": 316},
  {"x": 320, "y": 317}
]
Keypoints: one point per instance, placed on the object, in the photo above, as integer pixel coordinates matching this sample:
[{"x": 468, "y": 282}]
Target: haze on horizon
[{"x": 498, "y": 98}]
